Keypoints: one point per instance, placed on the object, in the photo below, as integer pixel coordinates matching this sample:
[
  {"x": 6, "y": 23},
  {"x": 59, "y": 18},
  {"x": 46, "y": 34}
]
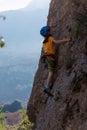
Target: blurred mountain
[
  {"x": 16, "y": 78},
  {"x": 21, "y": 28},
  {"x": 12, "y": 107},
  {"x": 41, "y": 4},
  {"x": 18, "y": 59}
]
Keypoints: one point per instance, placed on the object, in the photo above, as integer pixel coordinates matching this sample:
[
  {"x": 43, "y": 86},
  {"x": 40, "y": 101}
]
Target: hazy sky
[
  {"x": 13, "y": 4},
  {"x": 18, "y": 4}
]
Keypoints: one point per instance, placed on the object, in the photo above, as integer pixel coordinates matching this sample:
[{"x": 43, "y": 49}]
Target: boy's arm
[{"x": 61, "y": 41}]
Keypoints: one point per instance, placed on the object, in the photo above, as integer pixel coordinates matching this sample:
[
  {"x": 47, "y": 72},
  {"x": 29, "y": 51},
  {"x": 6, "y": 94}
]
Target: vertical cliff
[{"x": 67, "y": 110}]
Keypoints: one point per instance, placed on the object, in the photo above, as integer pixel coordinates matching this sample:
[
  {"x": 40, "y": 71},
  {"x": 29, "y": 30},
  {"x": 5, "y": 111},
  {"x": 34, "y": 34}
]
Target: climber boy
[{"x": 49, "y": 54}]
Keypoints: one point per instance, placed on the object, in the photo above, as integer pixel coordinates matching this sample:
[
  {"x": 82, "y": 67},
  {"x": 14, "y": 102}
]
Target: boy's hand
[{"x": 69, "y": 39}]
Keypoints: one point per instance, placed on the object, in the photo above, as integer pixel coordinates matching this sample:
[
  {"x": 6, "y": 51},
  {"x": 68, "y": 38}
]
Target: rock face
[{"x": 67, "y": 110}]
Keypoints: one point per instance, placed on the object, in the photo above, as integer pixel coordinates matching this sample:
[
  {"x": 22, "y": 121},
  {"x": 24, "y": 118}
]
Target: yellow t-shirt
[{"x": 48, "y": 47}]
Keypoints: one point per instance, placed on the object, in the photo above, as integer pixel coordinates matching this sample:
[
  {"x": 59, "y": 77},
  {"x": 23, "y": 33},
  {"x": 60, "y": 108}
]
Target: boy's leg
[
  {"x": 50, "y": 78},
  {"x": 51, "y": 68},
  {"x": 48, "y": 86}
]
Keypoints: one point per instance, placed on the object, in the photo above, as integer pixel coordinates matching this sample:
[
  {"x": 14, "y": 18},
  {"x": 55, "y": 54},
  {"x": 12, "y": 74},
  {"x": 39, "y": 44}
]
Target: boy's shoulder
[{"x": 51, "y": 38}]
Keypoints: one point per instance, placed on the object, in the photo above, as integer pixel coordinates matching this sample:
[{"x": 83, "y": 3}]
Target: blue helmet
[{"x": 45, "y": 31}]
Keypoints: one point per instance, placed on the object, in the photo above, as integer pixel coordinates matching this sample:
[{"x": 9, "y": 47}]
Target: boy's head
[{"x": 45, "y": 31}]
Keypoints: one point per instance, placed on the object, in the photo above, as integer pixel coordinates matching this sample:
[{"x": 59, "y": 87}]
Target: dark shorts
[{"x": 50, "y": 64}]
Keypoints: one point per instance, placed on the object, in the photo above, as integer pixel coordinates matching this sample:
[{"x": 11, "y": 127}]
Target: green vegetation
[
  {"x": 2, "y": 44},
  {"x": 1, "y": 127},
  {"x": 78, "y": 81},
  {"x": 23, "y": 113},
  {"x": 1, "y": 120},
  {"x": 80, "y": 25},
  {"x": 25, "y": 124},
  {"x": 79, "y": 18}
]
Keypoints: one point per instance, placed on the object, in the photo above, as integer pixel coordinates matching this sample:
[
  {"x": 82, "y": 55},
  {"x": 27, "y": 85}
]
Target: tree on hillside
[
  {"x": 2, "y": 41},
  {"x": 1, "y": 120}
]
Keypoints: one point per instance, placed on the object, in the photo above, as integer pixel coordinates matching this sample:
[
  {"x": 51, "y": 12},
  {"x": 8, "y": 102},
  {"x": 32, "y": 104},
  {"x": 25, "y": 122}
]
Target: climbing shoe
[
  {"x": 47, "y": 91},
  {"x": 46, "y": 88},
  {"x": 51, "y": 86}
]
